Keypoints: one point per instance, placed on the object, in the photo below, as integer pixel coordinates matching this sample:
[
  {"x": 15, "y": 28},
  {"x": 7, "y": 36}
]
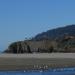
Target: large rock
[{"x": 18, "y": 47}]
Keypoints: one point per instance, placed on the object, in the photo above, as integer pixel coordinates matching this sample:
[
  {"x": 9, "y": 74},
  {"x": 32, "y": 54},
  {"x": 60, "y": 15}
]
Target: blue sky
[{"x": 25, "y": 18}]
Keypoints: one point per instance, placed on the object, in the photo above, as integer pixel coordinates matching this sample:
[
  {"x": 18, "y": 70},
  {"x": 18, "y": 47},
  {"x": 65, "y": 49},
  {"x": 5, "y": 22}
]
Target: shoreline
[{"x": 45, "y": 61}]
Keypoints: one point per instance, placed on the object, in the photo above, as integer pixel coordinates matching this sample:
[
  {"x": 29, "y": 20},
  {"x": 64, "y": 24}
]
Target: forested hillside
[{"x": 55, "y": 40}]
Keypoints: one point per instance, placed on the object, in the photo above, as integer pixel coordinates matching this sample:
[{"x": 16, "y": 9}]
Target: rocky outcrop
[
  {"x": 31, "y": 46},
  {"x": 18, "y": 47},
  {"x": 66, "y": 44},
  {"x": 56, "y": 40}
]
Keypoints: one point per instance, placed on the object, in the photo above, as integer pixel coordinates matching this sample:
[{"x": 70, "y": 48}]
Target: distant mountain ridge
[
  {"x": 61, "y": 39},
  {"x": 56, "y": 33}
]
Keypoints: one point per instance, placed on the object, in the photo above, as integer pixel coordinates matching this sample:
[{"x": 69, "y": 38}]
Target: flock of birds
[{"x": 46, "y": 68}]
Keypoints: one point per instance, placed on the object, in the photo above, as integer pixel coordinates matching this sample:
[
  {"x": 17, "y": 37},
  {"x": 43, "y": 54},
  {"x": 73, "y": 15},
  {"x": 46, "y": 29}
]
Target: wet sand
[{"x": 36, "y": 61}]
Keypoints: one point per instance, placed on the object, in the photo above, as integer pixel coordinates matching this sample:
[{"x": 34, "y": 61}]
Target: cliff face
[
  {"x": 67, "y": 44},
  {"x": 31, "y": 46},
  {"x": 18, "y": 47},
  {"x": 56, "y": 40}
]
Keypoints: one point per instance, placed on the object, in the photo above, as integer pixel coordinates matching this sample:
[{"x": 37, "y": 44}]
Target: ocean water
[{"x": 65, "y": 71}]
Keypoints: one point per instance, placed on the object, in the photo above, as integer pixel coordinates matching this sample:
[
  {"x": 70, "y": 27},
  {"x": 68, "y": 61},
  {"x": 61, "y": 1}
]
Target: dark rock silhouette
[
  {"x": 56, "y": 33},
  {"x": 56, "y": 40}
]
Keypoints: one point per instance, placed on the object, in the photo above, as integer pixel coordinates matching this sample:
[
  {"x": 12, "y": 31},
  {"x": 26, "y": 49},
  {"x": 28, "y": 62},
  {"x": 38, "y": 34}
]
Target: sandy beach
[{"x": 36, "y": 61}]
